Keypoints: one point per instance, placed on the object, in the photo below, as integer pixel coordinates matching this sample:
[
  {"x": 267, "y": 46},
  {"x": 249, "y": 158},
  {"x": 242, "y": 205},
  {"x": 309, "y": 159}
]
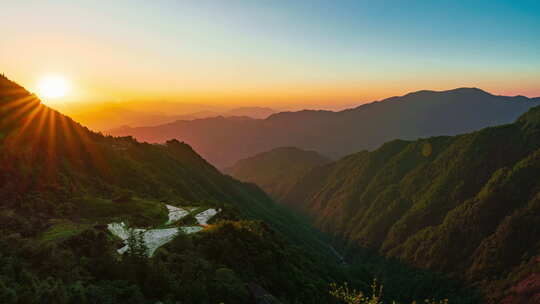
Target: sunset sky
[{"x": 282, "y": 54}]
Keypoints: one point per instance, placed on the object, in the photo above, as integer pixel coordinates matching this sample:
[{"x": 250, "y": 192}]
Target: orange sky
[{"x": 285, "y": 55}]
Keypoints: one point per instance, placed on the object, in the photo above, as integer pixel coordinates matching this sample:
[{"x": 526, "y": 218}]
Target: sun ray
[
  {"x": 51, "y": 163},
  {"x": 29, "y": 120},
  {"x": 23, "y": 103},
  {"x": 93, "y": 151},
  {"x": 41, "y": 122},
  {"x": 70, "y": 140}
]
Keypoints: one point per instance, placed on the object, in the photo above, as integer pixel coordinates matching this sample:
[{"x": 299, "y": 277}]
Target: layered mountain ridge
[{"x": 420, "y": 114}]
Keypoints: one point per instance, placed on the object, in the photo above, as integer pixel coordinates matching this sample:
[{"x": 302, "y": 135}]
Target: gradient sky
[{"x": 271, "y": 53}]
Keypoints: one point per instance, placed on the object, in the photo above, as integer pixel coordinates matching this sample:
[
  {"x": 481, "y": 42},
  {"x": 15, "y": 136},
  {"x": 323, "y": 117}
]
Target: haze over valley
[{"x": 223, "y": 141}]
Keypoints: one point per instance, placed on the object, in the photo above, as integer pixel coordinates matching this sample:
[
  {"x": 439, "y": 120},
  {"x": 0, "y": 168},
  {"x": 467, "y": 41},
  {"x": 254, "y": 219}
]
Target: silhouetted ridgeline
[{"x": 223, "y": 141}]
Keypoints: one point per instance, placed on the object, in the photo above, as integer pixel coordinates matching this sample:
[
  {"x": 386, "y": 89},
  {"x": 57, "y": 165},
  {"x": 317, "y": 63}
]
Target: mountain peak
[
  {"x": 472, "y": 91},
  {"x": 469, "y": 90}
]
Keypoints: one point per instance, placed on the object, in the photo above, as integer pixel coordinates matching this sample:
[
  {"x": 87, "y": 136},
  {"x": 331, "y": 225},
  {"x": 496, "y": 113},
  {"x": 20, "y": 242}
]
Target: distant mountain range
[
  {"x": 223, "y": 141},
  {"x": 109, "y": 117},
  {"x": 467, "y": 205},
  {"x": 277, "y": 171}
]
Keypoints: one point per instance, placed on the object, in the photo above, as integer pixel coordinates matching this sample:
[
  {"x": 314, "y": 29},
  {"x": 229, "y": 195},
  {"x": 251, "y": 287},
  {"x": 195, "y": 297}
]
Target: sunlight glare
[{"x": 52, "y": 87}]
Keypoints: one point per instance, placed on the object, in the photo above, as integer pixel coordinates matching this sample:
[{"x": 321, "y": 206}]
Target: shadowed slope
[
  {"x": 278, "y": 170},
  {"x": 465, "y": 205}
]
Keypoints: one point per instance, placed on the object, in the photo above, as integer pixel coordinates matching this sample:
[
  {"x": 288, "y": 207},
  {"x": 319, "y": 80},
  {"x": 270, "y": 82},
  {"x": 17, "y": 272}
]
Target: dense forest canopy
[
  {"x": 466, "y": 205},
  {"x": 276, "y": 171}
]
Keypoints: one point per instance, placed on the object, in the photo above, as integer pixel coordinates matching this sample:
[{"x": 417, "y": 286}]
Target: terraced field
[{"x": 155, "y": 238}]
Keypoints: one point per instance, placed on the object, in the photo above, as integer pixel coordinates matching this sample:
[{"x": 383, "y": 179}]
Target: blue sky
[{"x": 285, "y": 52}]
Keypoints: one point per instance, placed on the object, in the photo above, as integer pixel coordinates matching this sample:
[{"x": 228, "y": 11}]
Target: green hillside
[
  {"x": 466, "y": 205},
  {"x": 278, "y": 170}
]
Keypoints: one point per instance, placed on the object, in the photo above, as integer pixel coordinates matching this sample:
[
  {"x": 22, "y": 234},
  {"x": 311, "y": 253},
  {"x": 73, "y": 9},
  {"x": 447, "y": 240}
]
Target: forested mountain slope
[
  {"x": 60, "y": 184},
  {"x": 43, "y": 150},
  {"x": 223, "y": 141},
  {"x": 467, "y": 205},
  {"x": 276, "y": 171}
]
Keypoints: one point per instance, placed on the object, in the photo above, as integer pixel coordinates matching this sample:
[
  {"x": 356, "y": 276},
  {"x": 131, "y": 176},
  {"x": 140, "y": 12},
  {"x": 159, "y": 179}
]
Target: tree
[
  {"x": 229, "y": 286},
  {"x": 137, "y": 248}
]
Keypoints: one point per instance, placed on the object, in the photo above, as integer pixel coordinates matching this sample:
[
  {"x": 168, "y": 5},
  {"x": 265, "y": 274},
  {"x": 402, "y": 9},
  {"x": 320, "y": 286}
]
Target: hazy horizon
[
  {"x": 106, "y": 116},
  {"x": 282, "y": 55}
]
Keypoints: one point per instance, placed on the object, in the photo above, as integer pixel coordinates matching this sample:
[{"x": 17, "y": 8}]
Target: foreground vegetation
[{"x": 352, "y": 296}]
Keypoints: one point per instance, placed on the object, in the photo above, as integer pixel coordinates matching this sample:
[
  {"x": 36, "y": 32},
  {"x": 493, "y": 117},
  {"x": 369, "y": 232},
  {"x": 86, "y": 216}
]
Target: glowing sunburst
[{"x": 52, "y": 87}]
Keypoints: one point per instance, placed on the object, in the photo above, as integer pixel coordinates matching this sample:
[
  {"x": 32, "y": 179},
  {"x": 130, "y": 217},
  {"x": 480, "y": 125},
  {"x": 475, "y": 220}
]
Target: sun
[{"x": 53, "y": 87}]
